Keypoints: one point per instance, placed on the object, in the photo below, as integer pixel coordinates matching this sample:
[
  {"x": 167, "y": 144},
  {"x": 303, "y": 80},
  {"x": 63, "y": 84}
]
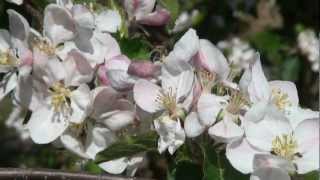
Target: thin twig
[{"x": 49, "y": 174}]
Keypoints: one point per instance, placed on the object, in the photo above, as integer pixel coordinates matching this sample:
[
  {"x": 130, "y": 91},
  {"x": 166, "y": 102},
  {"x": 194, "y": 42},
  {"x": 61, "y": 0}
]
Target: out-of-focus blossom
[
  {"x": 308, "y": 43},
  {"x": 239, "y": 53},
  {"x": 17, "y": 2},
  {"x": 184, "y": 21}
]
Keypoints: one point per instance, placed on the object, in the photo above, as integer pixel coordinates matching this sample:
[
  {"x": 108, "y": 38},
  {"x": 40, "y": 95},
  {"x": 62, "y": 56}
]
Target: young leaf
[{"x": 129, "y": 146}]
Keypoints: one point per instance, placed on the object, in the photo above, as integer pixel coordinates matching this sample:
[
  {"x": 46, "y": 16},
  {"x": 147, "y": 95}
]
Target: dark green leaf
[
  {"x": 92, "y": 167},
  {"x": 187, "y": 170},
  {"x": 290, "y": 69},
  {"x": 129, "y": 146},
  {"x": 134, "y": 48}
]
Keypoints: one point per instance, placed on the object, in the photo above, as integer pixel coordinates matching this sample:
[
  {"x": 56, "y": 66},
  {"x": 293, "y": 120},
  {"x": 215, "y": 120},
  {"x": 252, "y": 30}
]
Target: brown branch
[{"x": 49, "y": 174}]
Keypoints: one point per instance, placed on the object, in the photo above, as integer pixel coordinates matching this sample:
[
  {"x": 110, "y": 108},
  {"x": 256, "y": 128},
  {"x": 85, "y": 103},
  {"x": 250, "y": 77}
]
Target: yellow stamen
[
  {"x": 236, "y": 102},
  {"x": 280, "y": 99},
  {"x": 60, "y": 96},
  {"x": 285, "y": 146},
  {"x": 168, "y": 100},
  {"x": 44, "y": 46},
  {"x": 207, "y": 79},
  {"x": 7, "y": 59}
]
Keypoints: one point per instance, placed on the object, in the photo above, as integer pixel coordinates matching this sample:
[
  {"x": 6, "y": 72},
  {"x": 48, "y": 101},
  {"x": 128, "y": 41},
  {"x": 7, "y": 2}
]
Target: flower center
[
  {"x": 207, "y": 79},
  {"x": 280, "y": 99},
  {"x": 236, "y": 102},
  {"x": 168, "y": 100},
  {"x": 285, "y": 146},
  {"x": 44, "y": 46},
  {"x": 6, "y": 58},
  {"x": 60, "y": 97}
]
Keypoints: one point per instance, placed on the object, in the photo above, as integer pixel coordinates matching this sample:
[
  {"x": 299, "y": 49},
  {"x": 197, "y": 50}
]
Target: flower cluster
[{"x": 83, "y": 92}]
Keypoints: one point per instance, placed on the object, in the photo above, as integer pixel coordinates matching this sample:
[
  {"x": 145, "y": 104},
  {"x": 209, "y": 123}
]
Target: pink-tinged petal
[
  {"x": 226, "y": 130},
  {"x": 208, "y": 107},
  {"x": 288, "y": 88},
  {"x": 102, "y": 76},
  {"x": 19, "y": 27},
  {"x": 240, "y": 154},
  {"x": 179, "y": 77},
  {"x": 211, "y": 59},
  {"x": 297, "y": 114},
  {"x": 272, "y": 161},
  {"x": 192, "y": 126},
  {"x": 26, "y": 57},
  {"x": 103, "y": 100},
  {"x": 119, "y": 120},
  {"x": 80, "y": 102},
  {"x": 159, "y": 17},
  {"x": 116, "y": 166},
  {"x": 98, "y": 139},
  {"x": 270, "y": 174},
  {"x": 307, "y": 135},
  {"x": 45, "y": 125},
  {"x": 261, "y": 134},
  {"x": 185, "y": 48},
  {"x": 111, "y": 45},
  {"x": 139, "y": 8},
  {"x": 145, "y": 94},
  {"x": 255, "y": 83},
  {"x": 83, "y": 16},
  {"x": 116, "y": 69},
  {"x": 78, "y": 69},
  {"x": 58, "y": 24},
  {"x": 144, "y": 69},
  {"x": 108, "y": 21}
]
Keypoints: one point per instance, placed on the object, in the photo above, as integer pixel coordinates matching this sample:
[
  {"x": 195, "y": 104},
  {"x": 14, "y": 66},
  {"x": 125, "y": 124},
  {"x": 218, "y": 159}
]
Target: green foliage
[
  {"x": 290, "y": 69},
  {"x": 92, "y": 167},
  {"x": 173, "y": 7},
  {"x": 129, "y": 146},
  {"x": 135, "y": 48},
  {"x": 186, "y": 170}
]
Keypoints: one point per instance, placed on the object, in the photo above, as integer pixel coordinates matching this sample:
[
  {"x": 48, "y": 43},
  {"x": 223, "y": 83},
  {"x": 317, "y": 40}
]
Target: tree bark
[{"x": 49, "y": 174}]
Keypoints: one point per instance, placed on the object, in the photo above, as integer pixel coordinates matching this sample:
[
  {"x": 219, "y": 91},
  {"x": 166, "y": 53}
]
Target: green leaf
[
  {"x": 134, "y": 48},
  {"x": 315, "y": 175},
  {"x": 92, "y": 167},
  {"x": 290, "y": 69},
  {"x": 129, "y": 146},
  {"x": 186, "y": 170}
]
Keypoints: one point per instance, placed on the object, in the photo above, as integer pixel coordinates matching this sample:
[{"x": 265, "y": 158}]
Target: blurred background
[{"x": 284, "y": 32}]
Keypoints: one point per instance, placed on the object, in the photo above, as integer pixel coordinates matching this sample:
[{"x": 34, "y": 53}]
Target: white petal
[
  {"x": 19, "y": 27},
  {"x": 58, "y": 24},
  {"x": 5, "y": 41},
  {"x": 17, "y": 2},
  {"x": 116, "y": 166},
  {"x": 100, "y": 105},
  {"x": 177, "y": 76},
  {"x": 108, "y": 21},
  {"x": 78, "y": 70},
  {"x": 8, "y": 83},
  {"x": 240, "y": 154},
  {"x": 297, "y": 114},
  {"x": 99, "y": 138},
  {"x": 192, "y": 126},
  {"x": 145, "y": 94},
  {"x": 73, "y": 143},
  {"x": 257, "y": 112},
  {"x": 120, "y": 118},
  {"x": 309, "y": 161},
  {"x": 46, "y": 126},
  {"x": 83, "y": 16},
  {"x": 209, "y": 106},
  {"x": 185, "y": 48},
  {"x": 80, "y": 102},
  {"x": 226, "y": 130},
  {"x": 269, "y": 174},
  {"x": 307, "y": 135}
]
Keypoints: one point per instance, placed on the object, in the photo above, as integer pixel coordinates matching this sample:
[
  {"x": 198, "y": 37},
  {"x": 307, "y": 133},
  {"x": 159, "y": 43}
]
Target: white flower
[
  {"x": 172, "y": 135},
  {"x": 292, "y": 149},
  {"x": 240, "y": 53},
  {"x": 130, "y": 164},
  {"x": 184, "y": 20}
]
